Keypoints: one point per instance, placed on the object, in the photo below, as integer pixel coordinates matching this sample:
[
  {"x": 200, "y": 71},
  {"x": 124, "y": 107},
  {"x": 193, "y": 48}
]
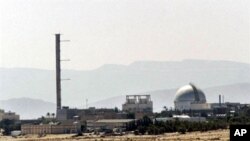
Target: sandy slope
[{"x": 194, "y": 136}]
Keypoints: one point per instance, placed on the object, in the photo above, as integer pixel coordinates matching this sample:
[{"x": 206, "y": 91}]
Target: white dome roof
[{"x": 190, "y": 93}]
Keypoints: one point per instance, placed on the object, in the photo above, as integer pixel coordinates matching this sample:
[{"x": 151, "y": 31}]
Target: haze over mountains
[
  {"x": 33, "y": 108},
  {"x": 28, "y": 108},
  {"x": 115, "y": 80}
]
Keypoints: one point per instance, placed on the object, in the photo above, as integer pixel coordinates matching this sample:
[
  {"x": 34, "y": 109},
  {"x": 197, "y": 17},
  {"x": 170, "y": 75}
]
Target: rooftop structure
[{"x": 138, "y": 104}]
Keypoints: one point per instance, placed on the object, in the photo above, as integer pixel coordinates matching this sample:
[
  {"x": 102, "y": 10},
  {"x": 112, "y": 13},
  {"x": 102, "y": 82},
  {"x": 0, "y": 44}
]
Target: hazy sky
[{"x": 122, "y": 31}]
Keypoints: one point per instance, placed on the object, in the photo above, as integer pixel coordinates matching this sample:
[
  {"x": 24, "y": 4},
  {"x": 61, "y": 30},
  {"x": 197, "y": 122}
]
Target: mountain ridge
[
  {"x": 133, "y": 63},
  {"x": 34, "y": 108},
  {"x": 110, "y": 81}
]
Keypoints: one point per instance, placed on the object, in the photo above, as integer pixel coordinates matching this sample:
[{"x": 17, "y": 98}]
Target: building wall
[
  {"x": 108, "y": 124},
  {"x": 104, "y": 125},
  {"x": 139, "y": 115},
  {"x": 187, "y": 105},
  {"x": 182, "y": 105},
  {"x": 36, "y": 129},
  {"x": 8, "y": 115},
  {"x": 138, "y": 107},
  {"x": 191, "y": 119},
  {"x": 60, "y": 129},
  {"x": 11, "y": 116},
  {"x": 49, "y": 129},
  {"x": 198, "y": 106},
  {"x": 89, "y": 114},
  {"x": 138, "y": 103},
  {"x": 66, "y": 113},
  {"x": 1, "y": 116}
]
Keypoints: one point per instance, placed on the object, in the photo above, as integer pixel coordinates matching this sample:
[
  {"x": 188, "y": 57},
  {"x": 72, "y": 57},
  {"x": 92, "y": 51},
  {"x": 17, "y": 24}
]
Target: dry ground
[{"x": 222, "y": 135}]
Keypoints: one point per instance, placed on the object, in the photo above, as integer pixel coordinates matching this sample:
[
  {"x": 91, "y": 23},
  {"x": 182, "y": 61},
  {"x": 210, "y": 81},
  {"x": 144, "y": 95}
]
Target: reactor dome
[
  {"x": 190, "y": 93},
  {"x": 187, "y": 95}
]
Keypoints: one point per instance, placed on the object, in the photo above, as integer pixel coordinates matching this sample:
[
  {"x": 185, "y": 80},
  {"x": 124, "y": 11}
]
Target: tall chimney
[
  {"x": 220, "y": 100},
  {"x": 58, "y": 73}
]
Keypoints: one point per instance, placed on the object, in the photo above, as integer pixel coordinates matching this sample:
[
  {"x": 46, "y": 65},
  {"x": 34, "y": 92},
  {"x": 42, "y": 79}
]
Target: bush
[
  {"x": 145, "y": 125},
  {"x": 136, "y": 132},
  {"x": 182, "y": 130},
  {"x": 142, "y": 129}
]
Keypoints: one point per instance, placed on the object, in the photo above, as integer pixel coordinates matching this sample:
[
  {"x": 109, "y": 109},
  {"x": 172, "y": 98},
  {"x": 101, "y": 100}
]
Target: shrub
[{"x": 182, "y": 130}]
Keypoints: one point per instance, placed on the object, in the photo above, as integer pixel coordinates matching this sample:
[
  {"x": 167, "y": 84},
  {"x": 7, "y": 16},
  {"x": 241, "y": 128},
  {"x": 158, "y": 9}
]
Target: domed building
[{"x": 190, "y": 97}]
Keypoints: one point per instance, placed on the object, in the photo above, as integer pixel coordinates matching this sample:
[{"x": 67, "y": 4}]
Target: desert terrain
[{"x": 222, "y": 135}]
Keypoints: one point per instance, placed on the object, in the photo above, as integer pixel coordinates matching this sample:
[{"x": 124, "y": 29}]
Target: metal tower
[{"x": 58, "y": 73}]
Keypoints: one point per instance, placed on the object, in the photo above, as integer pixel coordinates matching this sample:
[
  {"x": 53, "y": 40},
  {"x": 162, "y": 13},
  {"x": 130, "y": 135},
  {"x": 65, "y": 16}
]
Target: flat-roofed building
[
  {"x": 91, "y": 113},
  {"x": 111, "y": 124},
  {"x": 140, "y": 105},
  {"x": 8, "y": 115},
  {"x": 50, "y": 129}
]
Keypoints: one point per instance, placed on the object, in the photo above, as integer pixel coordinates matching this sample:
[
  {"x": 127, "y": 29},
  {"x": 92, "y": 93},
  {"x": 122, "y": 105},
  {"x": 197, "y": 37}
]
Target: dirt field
[{"x": 216, "y": 135}]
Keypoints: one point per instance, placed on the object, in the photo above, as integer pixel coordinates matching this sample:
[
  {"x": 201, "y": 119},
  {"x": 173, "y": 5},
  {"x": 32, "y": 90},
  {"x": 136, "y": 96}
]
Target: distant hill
[
  {"x": 33, "y": 108},
  {"x": 28, "y": 108},
  {"x": 115, "y": 80}
]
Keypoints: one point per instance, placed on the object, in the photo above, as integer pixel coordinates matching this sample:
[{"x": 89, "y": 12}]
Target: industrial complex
[{"x": 190, "y": 105}]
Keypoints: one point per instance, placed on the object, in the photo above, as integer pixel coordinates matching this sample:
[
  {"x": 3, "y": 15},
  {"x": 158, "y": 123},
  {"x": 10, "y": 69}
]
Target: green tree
[
  {"x": 48, "y": 115},
  {"x": 53, "y": 115}
]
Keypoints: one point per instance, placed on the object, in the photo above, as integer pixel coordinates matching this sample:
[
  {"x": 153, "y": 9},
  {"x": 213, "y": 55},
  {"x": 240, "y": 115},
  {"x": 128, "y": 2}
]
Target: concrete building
[
  {"x": 111, "y": 124},
  {"x": 8, "y": 115},
  {"x": 88, "y": 114},
  {"x": 139, "y": 104},
  {"x": 50, "y": 129},
  {"x": 192, "y": 101},
  {"x": 190, "y": 97},
  {"x": 200, "y": 106}
]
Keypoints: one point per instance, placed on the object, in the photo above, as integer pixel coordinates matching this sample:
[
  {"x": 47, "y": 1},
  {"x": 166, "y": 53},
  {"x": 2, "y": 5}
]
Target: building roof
[
  {"x": 115, "y": 120},
  {"x": 181, "y": 116}
]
